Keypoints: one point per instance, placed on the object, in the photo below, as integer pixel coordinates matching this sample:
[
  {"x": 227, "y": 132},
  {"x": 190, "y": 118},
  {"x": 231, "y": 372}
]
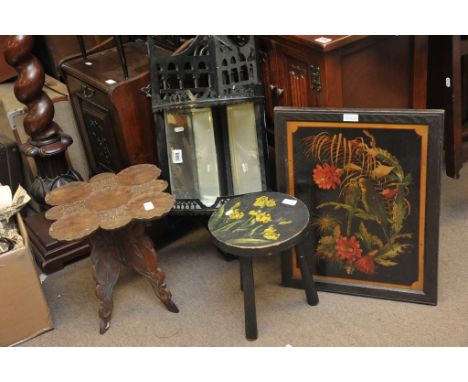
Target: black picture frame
[{"x": 364, "y": 167}]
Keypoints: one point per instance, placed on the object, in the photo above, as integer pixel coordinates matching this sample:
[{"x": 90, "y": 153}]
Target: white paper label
[
  {"x": 289, "y": 202},
  {"x": 179, "y": 129},
  {"x": 110, "y": 82},
  {"x": 6, "y": 197},
  {"x": 177, "y": 156},
  {"x": 148, "y": 206},
  {"x": 88, "y": 63},
  {"x": 448, "y": 82},
  {"x": 323, "y": 40},
  {"x": 350, "y": 117}
]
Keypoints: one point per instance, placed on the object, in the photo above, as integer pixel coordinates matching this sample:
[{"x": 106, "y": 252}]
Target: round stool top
[{"x": 259, "y": 223}]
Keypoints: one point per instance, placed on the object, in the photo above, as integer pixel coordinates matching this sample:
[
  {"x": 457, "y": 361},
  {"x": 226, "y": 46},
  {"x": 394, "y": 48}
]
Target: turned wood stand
[{"x": 111, "y": 210}]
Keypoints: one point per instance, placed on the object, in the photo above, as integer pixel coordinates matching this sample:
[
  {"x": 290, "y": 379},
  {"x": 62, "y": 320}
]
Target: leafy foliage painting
[
  {"x": 362, "y": 227},
  {"x": 249, "y": 224}
]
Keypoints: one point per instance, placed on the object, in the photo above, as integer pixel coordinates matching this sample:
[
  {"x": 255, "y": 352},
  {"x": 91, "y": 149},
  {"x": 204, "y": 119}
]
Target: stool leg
[
  {"x": 249, "y": 298},
  {"x": 307, "y": 278},
  {"x": 240, "y": 269}
]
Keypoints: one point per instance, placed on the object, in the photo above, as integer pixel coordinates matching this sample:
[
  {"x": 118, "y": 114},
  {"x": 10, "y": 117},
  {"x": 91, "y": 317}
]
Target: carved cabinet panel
[
  {"x": 297, "y": 83},
  {"x": 101, "y": 138},
  {"x": 289, "y": 76},
  {"x": 113, "y": 115}
]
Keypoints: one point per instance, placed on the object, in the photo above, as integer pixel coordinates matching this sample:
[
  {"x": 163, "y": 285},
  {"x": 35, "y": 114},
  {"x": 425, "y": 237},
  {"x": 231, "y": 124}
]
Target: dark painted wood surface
[
  {"x": 259, "y": 223},
  {"x": 433, "y": 119}
]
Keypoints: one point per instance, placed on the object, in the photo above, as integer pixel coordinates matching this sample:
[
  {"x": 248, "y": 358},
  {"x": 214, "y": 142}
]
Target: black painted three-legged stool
[{"x": 260, "y": 224}]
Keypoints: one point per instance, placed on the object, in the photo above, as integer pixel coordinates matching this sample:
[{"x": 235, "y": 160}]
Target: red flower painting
[
  {"x": 348, "y": 249},
  {"x": 361, "y": 202},
  {"x": 366, "y": 264},
  {"x": 389, "y": 193},
  {"x": 327, "y": 177}
]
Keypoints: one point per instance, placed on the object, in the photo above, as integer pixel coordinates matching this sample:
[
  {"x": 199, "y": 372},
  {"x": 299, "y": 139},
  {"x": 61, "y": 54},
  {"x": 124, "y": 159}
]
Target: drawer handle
[
  {"x": 275, "y": 89},
  {"x": 87, "y": 91}
]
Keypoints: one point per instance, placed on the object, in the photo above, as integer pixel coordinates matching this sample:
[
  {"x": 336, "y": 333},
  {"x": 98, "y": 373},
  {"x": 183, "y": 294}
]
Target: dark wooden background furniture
[
  {"x": 448, "y": 85},
  {"x": 52, "y": 49},
  {"x": 113, "y": 115},
  {"x": 344, "y": 71},
  {"x": 11, "y": 168},
  {"x": 6, "y": 71}
]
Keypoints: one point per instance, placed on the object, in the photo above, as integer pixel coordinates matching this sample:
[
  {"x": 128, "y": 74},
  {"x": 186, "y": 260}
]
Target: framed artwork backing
[{"x": 371, "y": 180}]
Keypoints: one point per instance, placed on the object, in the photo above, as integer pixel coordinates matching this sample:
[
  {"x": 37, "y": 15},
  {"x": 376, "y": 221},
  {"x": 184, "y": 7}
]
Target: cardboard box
[{"x": 24, "y": 312}]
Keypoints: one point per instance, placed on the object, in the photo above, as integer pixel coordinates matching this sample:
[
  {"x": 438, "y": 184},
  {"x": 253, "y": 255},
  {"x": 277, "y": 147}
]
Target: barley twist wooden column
[{"x": 47, "y": 145}]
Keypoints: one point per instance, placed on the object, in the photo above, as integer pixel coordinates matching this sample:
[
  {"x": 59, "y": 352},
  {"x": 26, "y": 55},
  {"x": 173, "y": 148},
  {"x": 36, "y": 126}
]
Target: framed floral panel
[{"x": 371, "y": 180}]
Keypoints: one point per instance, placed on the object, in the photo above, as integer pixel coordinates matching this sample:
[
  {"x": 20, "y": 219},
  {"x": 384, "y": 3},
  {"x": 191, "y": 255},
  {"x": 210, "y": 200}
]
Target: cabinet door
[
  {"x": 297, "y": 85},
  {"x": 96, "y": 126},
  {"x": 290, "y": 74},
  {"x": 100, "y": 136}
]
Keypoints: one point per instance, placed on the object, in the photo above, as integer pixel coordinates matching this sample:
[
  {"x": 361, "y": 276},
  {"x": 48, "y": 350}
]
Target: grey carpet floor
[{"x": 206, "y": 289}]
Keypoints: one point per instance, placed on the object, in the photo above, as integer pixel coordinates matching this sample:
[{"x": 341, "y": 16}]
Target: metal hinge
[
  {"x": 315, "y": 80},
  {"x": 146, "y": 91}
]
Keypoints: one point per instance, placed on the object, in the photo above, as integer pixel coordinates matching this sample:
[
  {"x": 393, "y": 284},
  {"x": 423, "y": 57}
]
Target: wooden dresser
[
  {"x": 448, "y": 89},
  {"x": 113, "y": 115},
  {"x": 344, "y": 71}
]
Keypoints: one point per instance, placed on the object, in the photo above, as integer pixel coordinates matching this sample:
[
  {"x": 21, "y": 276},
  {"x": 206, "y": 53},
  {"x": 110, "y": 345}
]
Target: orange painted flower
[
  {"x": 327, "y": 177},
  {"x": 366, "y": 264},
  {"x": 348, "y": 249},
  {"x": 388, "y": 193}
]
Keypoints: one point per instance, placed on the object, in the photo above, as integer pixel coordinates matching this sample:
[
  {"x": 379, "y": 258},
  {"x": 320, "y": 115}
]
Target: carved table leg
[
  {"x": 138, "y": 251},
  {"x": 106, "y": 267}
]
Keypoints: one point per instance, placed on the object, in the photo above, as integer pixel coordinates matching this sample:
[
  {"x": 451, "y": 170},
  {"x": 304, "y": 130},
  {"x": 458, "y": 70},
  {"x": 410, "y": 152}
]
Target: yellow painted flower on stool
[
  {"x": 236, "y": 215},
  {"x": 263, "y": 201},
  {"x": 271, "y": 233},
  {"x": 260, "y": 216}
]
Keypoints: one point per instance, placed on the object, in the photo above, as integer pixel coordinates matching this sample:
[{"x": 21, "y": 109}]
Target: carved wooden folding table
[{"x": 110, "y": 209}]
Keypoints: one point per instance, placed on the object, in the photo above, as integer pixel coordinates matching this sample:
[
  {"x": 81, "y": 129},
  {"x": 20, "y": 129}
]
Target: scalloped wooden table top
[{"x": 108, "y": 201}]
